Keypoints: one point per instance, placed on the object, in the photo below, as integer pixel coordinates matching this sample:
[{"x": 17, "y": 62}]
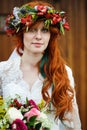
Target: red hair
[
  {"x": 62, "y": 93},
  {"x": 56, "y": 73}
]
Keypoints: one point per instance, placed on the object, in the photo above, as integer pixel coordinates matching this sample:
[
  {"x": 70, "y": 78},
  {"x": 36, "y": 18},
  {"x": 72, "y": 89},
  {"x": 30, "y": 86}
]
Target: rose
[
  {"x": 48, "y": 16},
  {"x": 27, "y": 20},
  {"x": 13, "y": 114},
  {"x": 41, "y": 9},
  {"x": 32, "y": 112},
  {"x": 66, "y": 25},
  {"x": 33, "y": 104},
  {"x": 19, "y": 125},
  {"x": 56, "y": 18}
]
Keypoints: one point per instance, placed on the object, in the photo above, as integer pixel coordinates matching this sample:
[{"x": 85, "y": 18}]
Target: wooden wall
[{"x": 73, "y": 44}]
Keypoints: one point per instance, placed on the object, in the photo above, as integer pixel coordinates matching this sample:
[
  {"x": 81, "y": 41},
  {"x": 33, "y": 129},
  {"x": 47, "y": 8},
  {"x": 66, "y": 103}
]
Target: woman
[{"x": 39, "y": 72}]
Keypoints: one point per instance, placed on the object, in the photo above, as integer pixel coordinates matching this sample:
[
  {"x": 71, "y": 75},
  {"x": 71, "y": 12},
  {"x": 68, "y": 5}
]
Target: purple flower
[
  {"x": 19, "y": 125},
  {"x": 33, "y": 104}
]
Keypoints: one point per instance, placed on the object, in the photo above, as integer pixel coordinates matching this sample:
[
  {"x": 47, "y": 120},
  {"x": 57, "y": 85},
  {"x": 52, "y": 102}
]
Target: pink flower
[
  {"x": 19, "y": 125},
  {"x": 33, "y": 104},
  {"x": 32, "y": 112}
]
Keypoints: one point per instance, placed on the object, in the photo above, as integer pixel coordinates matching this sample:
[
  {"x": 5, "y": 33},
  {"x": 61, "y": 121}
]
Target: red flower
[
  {"x": 41, "y": 10},
  {"x": 16, "y": 102},
  {"x": 33, "y": 104},
  {"x": 10, "y": 31},
  {"x": 48, "y": 15},
  {"x": 56, "y": 18},
  {"x": 27, "y": 20},
  {"x": 66, "y": 26},
  {"x": 19, "y": 125}
]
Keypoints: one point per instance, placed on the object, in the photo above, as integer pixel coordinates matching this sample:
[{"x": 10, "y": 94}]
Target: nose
[{"x": 38, "y": 35}]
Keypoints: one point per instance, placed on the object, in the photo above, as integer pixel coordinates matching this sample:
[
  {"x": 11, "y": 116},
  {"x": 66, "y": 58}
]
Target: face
[{"x": 37, "y": 38}]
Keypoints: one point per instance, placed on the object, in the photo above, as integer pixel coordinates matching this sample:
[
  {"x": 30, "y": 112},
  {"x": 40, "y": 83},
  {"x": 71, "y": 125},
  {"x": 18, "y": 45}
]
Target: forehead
[{"x": 38, "y": 24}]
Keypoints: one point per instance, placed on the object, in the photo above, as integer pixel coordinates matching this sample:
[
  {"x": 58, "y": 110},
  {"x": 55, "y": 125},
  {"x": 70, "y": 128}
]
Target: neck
[{"x": 31, "y": 59}]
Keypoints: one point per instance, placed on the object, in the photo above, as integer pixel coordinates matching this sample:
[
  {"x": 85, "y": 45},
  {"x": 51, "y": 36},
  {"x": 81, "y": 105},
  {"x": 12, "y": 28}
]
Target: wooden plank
[{"x": 83, "y": 51}]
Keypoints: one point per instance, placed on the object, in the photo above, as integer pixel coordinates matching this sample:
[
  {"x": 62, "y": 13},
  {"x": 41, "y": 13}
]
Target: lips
[{"x": 37, "y": 44}]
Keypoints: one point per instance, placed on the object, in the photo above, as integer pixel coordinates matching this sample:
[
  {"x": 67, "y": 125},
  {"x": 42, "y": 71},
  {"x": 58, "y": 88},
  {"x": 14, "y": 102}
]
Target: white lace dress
[{"x": 12, "y": 83}]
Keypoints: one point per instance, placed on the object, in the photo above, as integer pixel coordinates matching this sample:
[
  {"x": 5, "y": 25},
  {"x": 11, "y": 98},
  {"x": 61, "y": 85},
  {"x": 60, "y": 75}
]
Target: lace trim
[{"x": 11, "y": 70}]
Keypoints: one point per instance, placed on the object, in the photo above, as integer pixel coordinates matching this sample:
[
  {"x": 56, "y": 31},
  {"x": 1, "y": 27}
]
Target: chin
[{"x": 38, "y": 51}]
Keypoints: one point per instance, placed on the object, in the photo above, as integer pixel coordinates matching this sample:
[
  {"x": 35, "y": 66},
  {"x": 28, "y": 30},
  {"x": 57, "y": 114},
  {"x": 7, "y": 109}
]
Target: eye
[
  {"x": 45, "y": 30},
  {"x": 32, "y": 30}
]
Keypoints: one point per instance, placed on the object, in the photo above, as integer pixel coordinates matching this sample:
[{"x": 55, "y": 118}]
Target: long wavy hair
[{"x": 52, "y": 68}]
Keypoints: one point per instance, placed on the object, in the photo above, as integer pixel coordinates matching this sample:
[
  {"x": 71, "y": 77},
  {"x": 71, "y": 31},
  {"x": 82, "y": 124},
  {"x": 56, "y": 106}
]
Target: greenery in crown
[{"x": 26, "y": 15}]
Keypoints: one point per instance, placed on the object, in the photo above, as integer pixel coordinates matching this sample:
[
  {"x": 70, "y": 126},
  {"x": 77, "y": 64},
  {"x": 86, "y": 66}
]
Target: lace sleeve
[
  {"x": 74, "y": 123},
  {"x": 1, "y": 71},
  {"x": 3, "y": 66},
  {"x": 14, "y": 54}
]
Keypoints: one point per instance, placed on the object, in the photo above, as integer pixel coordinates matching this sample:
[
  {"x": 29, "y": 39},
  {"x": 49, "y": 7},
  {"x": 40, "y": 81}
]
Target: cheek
[
  {"x": 28, "y": 37},
  {"x": 27, "y": 40},
  {"x": 47, "y": 39}
]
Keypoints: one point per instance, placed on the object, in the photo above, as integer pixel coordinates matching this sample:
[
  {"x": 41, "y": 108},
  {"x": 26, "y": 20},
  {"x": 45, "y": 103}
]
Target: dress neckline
[{"x": 39, "y": 79}]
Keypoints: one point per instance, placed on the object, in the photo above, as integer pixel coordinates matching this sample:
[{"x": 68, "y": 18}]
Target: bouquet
[{"x": 29, "y": 116}]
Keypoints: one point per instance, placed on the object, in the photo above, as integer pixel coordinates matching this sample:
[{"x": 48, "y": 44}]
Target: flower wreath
[{"x": 26, "y": 15}]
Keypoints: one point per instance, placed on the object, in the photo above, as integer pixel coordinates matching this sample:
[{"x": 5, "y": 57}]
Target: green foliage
[
  {"x": 2, "y": 110},
  {"x": 32, "y": 122}
]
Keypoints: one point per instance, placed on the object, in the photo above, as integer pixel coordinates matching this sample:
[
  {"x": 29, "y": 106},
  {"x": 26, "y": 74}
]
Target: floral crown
[{"x": 26, "y": 15}]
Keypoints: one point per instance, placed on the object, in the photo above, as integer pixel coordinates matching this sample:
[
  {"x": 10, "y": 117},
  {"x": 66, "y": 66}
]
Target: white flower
[
  {"x": 16, "y": 10},
  {"x": 46, "y": 123},
  {"x": 13, "y": 114},
  {"x": 42, "y": 116},
  {"x": 35, "y": 7}
]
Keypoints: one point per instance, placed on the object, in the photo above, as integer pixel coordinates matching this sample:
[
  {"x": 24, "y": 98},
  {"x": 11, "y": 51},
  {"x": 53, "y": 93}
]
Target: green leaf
[
  {"x": 51, "y": 11},
  {"x": 47, "y": 128},
  {"x": 38, "y": 126},
  {"x": 27, "y": 100},
  {"x": 27, "y": 28},
  {"x": 61, "y": 28},
  {"x": 17, "y": 29},
  {"x": 47, "y": 23},
  {"x": 34, "y": 16},
  {"x": 32, "y": 119}
]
